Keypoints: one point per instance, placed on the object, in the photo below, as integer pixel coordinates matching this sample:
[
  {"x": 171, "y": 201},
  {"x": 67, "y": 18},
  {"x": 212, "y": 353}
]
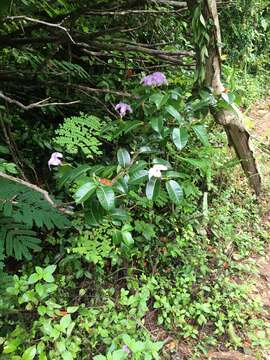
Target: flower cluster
[{"x": 155, "y": 79}]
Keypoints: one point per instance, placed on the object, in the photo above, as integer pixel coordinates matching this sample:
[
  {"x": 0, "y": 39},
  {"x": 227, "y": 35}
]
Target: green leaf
[
  {"x": 138, "y": 177},
  {"x": 127, "y": 238},
  {"x": 85, "y": 192},
  {"x": 180, "y": 137},
  {"x": 65, "y": 321},
  {"x": 119, "y": 214},
  {"x": 94, "y": 214},
  {"x": 157, "y": 124},
  {"x": 11, "y": 345},
  {"x": 119, "y": 355},
  {"x": 174, "y": 113},
  {"x": 29, "y": 353},
  {"x": 117, "y": 237},
  {"x": 33, "y": 278},
  {"x": 156, "y": 99},
  {"x": 67, "y": 355},
  {"x": 175, "y": 191},
  {"x": 47, "y": 273},
  {"x": 123, "y": 157},
  {"x": 152, "y": 189},
  {"x": 72, "y": 309},
  {"x": 105, "y": 196},
  {"x": 201, "y": 133}
]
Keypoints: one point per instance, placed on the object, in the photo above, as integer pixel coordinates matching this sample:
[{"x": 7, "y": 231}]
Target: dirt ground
[{"x": 258, "y": 120}]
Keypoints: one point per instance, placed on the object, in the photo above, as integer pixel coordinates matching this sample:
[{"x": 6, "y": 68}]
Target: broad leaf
[
  {"x": 157, "y": 99},
  {"x": 94, "y": 214},
  {"x": 119, "y": 214},
  {"x": 180, "y": 137},
  {"x": 201, "y": 133},
  {"x": 138, "y": 177},
  {"x": 157, "y": 124},
  {"x": 85, "y": 192},
  {"x": 174, "y": 113},
  {"x": 123, "y": 157},
  {"x": 105, "y": 196},
  {"x": 175, "y": 191},
  {"x": 152, "y": 189},
  {"x": 127, "y": 238}
]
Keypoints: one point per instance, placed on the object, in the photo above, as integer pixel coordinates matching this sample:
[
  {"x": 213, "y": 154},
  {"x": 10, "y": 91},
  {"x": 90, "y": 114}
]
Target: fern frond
[
  {"x": 27, "y": 206},
  {"x": 80, "y": 133},
  {"x": 17, "y": 239}
]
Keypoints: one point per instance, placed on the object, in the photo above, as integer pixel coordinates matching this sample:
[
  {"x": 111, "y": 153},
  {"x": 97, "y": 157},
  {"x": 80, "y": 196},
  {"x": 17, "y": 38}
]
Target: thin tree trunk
[{"x": 238, "y": 135}]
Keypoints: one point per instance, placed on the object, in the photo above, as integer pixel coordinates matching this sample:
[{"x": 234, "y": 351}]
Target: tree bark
[{"x": 238, "y": 135}]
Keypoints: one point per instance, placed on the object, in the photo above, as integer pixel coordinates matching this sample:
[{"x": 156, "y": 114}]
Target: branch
[
  {"x": 39, "y": 104},
  {"x": 178, "y": 4},
  {"x": 130, "y": 12},
  {"x": 36, "y": 188},
  {"x": 57, "y": 26}
]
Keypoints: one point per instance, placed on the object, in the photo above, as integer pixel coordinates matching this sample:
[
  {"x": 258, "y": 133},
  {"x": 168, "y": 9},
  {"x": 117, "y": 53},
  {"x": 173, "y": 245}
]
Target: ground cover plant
[{"x": 126, "y": 231}]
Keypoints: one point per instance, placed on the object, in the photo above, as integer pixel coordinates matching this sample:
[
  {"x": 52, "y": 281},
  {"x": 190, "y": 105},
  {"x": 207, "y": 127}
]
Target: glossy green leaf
[
  {"x": 94, "y": 214},
  {"x": 85, "y": 192},
  {"x": 174, "y": 113},
  {"x": 157, "y": 99},
  {"x": 152, "y": 189},
  {"x": 175, "y": 191},
  {"x": 29, "y": 353},
  {"x": 138, "y": 177},
  {"x": 157, "y": 124},
  {"x": 123, "y": 157},
  {"x": 119, "y": 214},
  {"x": 127, "y": 238},
  {"x": 201, "y": 133},
  {"x": 180, "y": 137},
  {"x": 105, "y": 195}
]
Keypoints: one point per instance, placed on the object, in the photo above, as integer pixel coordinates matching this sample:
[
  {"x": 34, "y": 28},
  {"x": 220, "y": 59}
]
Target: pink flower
[
  {"x": 155, "y": 79},
  {"x": 55, "y": 159},
  {"x": 122, "y": 109}
]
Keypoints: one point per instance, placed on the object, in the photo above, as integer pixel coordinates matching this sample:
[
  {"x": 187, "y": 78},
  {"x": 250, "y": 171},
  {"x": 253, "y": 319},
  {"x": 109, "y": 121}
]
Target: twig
[
  {"x": 58, "y": 26},
  {"x": 35, "y": 188},
  {"x": 39, "y": 104}
]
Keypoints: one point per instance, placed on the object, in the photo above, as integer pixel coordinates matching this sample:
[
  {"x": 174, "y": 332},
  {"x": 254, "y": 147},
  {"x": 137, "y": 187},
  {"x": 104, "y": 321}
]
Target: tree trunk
[{"x": 238, "y": 135}]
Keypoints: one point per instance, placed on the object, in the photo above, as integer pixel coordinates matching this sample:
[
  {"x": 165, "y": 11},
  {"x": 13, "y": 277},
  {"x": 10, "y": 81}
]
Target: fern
[
  {"x": 22, "y": 208},
  {"x": 17, "y": 239},
  {"x": 27, "y": 206},
  {"x": 69, "y": 69},
  {"x": 80, "y": 133}
]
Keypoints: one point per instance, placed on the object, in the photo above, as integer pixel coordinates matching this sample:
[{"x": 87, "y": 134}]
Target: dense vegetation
[{"x": 125, "y": 231}]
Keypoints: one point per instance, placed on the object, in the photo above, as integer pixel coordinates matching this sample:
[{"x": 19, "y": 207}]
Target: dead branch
[
  {"x": 39, "y": 104},
  {"x": 57, "y": 26},
  {"x": 131, "y": 12},
  {"x": 36, "y": 188}
]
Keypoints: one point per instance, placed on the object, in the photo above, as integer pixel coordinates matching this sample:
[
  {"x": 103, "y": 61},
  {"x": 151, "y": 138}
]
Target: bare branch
[
  {"x": 39, "y": 104},
  {"x": 58, "y": 26},
  {"x": 131, "y": 12},
  {"x": 38, "y": 189}
]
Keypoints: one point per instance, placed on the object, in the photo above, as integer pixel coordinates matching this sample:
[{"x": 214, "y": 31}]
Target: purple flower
[
  {"x": 55, "y": 159},
  {"x": 155, "y": 79},
  {"x": 122, "y": 109},
  {"x": 126, "y": 349}
]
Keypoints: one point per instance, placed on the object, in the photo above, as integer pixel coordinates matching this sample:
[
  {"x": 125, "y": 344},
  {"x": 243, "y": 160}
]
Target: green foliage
[
  {"x": 80, "y": 133},
  {"x": 22, "y": 209}
]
